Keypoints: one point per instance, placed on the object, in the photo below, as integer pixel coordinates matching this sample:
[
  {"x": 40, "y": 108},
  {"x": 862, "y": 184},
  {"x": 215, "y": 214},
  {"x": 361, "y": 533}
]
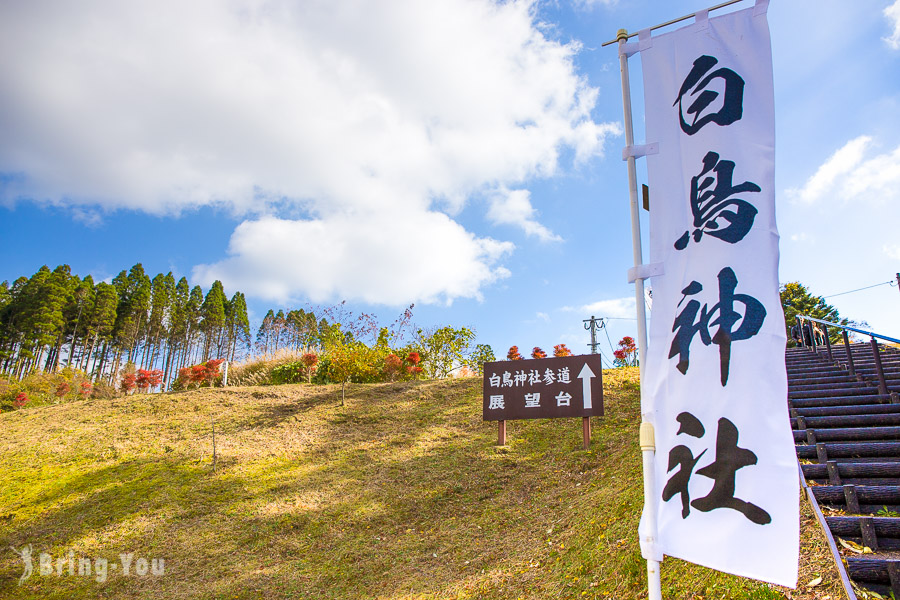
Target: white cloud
[
  {"x": 850, "y": 176},
  {"x": 877, "y": 178},
  {"x": 382, "y": 258},
  {"x": 543, "y": 317},
  {"x": 513, "y": 207},
  {"x": 801, "y": 237},
  {"x": 892, "y": 14},
  {"x": 161, "y": 106},
  {"x": 589, "y": 4},
  {"x": 838, "y": 164},
  {"x": 87, "y": 216},
  {"x": 342, "y": 110},
  {"x": 892, "y": 251},
  {"x": 619, "y": 308}
]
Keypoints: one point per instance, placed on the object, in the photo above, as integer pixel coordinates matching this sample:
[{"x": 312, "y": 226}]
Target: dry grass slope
[{"x": 399, "y": 495}]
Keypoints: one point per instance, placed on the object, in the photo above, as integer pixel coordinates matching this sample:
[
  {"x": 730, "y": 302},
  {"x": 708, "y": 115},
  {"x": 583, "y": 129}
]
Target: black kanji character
[
  {"x": 715, "y": 212},
  {"x": 729, "y": 458},
  {"x": 682, "y": 455},
  {"x": 732, "y": 103},
  {"x": 687, "y": 324},
  {"x": 723, "y": 471}
]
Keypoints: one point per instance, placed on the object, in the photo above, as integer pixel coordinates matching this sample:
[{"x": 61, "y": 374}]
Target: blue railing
[{"x": 812, "y": 343}]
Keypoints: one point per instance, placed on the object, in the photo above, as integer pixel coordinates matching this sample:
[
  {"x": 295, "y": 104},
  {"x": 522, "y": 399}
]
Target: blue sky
[{"x": 458, "y": 154}]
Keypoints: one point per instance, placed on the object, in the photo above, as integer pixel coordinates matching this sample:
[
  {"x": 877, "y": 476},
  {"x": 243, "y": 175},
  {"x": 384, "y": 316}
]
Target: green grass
[{"x": 401, "y": 494}]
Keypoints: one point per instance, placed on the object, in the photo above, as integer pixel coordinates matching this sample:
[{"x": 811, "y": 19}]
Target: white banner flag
[{"x": 715, "y": 385}]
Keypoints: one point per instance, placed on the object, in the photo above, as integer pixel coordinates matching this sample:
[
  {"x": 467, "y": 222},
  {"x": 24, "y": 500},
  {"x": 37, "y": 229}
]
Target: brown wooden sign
[{"x": 545, "y": 388}]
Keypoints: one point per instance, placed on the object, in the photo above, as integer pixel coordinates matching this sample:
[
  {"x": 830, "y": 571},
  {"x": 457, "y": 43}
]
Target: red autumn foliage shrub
[
  {"x": 626, "y": 354},
  {"x": 513, "y": 353},
  {"x": 148, "y": 378},
  {"x": 412, "y": 367},
  {"x": 536, "y": 352},
  {"x": 561, "y": 350},
  {"x": 198, "y": 375},
  {"x": 392, "y": 366},
  {"x": 62, "y": 389},
  {"x": 86, "y": 388},
  {"x": 309, "y": 360},
  {"x": 128, "y": 383},
  {"x": 211, "y": 370},
  {"x": 21, "y": 400}
]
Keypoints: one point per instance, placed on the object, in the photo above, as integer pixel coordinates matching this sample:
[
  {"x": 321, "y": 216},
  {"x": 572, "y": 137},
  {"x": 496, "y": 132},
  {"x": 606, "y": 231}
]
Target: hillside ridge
[{"x": 400, "y": 494}]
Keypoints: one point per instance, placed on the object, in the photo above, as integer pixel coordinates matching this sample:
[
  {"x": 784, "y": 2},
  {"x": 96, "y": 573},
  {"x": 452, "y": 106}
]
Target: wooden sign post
[{"x": 546, "y": 388}]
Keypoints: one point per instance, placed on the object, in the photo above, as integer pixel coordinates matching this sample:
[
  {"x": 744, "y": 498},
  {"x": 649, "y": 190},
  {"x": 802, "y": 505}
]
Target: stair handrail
[
  {"x": 854, "y": 329},
  {"x": 876, "y": 355}
]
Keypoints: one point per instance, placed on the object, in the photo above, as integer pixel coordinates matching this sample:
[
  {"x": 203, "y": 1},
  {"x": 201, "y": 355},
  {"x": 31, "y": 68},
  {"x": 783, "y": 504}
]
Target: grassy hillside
[{"x": 400, "y": 494}]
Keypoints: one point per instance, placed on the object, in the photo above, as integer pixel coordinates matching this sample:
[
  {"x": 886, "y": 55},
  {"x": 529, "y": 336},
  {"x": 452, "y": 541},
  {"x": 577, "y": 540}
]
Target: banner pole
[
  {"x": 648, "y": 448},
  {"x": 673, "y": 21}
]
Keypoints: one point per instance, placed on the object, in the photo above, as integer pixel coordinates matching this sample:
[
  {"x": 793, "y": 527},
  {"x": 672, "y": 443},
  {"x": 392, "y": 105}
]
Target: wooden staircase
[{"x": 846, "y": 423}]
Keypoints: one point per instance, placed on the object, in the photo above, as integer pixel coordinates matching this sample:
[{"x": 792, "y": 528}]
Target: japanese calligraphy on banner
[
  {"x": 546, "y": 388},
  {"x": 714, "y": 385}
]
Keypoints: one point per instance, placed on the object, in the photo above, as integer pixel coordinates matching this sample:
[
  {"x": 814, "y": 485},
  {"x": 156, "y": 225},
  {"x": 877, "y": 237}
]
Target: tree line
[{"x": 57, "y": 319}]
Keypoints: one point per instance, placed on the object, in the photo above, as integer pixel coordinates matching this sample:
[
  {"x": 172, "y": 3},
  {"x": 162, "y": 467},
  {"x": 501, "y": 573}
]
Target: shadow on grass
[{"x": 132, "y": 505}]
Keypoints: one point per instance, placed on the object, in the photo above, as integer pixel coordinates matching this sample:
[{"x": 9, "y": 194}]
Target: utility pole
[{"x": 593, "y": 325}]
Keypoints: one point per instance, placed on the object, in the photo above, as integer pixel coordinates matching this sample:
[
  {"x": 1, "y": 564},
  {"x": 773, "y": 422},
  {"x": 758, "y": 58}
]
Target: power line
[
  {"x": 593, "y": 324},
  {"x": 603, "y": 357},
  {"x": 606, "y": 331},
  {"x": 860, "y": 289}
]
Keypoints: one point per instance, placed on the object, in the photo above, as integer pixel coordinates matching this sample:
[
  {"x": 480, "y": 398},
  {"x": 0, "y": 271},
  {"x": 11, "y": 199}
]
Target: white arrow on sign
[{"x": 585, "y": 376}]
